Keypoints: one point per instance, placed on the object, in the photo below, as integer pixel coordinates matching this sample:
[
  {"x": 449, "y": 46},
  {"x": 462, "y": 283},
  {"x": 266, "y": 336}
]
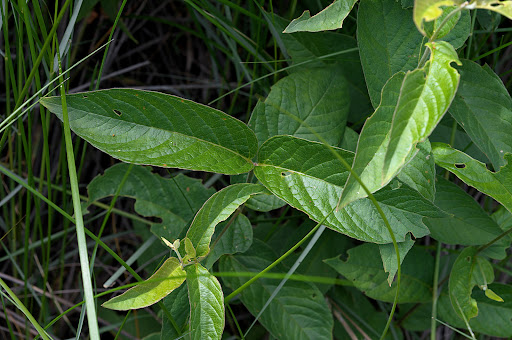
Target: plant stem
[
  {"x": 79, "y": 222},
  {"x": 434, "y": 293},
  {"x": 273, "y": 264}
]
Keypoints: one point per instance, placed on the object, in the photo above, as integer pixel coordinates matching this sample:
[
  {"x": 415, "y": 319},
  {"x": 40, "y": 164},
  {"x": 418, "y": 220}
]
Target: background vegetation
[{"x": 223, "y": 53}]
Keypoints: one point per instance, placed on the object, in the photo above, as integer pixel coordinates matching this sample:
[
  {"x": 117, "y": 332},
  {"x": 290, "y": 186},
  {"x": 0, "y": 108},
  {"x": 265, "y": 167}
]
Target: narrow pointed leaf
[
  {"x": 167, "y": 278},
  {"x": 154, "y": 195},
  {"x": 372, "y": 144},
  {"x": 318, "y": 97},
  {"x": 144, "y": 127},
  {"x": 310, "y": 178},
  {"x": 330, "y": 18},
  {"x": 425, "y": 96},
  {"x": 467, "y": 271},
  {"x": 388, "y": 256},
  {"x": 498, "y": 185},
  {"x": 206, "y": 304},
  {"x": 217, "y": 209},
  {"x": 483, "y": 107},
  {"x": 428, "y": 10}
]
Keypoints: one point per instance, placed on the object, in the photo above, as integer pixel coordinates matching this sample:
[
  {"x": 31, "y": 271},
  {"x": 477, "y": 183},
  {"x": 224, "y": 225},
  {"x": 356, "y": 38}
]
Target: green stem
[
  {"x": 434, "y": 293},
  {"x": 79, "y": 222},
  {"x": 272, "y": 265}
]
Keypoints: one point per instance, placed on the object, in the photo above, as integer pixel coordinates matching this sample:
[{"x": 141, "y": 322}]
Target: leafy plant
[{"x": 353, "y": 139}]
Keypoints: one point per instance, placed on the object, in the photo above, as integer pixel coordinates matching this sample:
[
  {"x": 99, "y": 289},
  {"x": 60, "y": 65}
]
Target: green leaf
[
  {"x": 217, "y": 209},
  {"x": 206, "y": 304},
  {"x": 420, "y": 172},
  {"x": 309, "y": 47},
  {"x": 498, "y": 185},
  {"x": 468, "y": 224},
  {"x": 317, "y": 97},
  {"x": 174, "y": 200},
  {"x": 236, "y": 239},
  {"x": 483, "y": 107},
  {"x": 349, "y": 141},
  {"x": 310, "y": 178},
  {"x": 264, "y": 202},
  {"x": 435, "y": 25},
  {"x": 153, "y": 128},
  {"x": 388, "y": 43},
  {"x": 166, "y": 279},
  {"x": 330, "y": 18},
  {"x": 388, "y": 256},
  {"x": 428, "y": 10},
  {"x": 372, "y": 144},
  {"x": 364, "y": 268},
  {"x": 460, "y": 33},
  {"x": 298, "y": 312},
  {"x": 425, "y": 95},
  {"x": 494, "y": 318},
  {"x": 178, "y": 306},
  {"x": 467, "y": 271}
]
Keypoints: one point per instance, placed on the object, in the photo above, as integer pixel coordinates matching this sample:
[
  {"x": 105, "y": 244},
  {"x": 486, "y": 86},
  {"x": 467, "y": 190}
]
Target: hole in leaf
[
  {"x": 460, "y": 165},
  {"x": 286, "y": 173},
  {"x": 117, "y": 112},
  {"x": 84, "y": 96}
]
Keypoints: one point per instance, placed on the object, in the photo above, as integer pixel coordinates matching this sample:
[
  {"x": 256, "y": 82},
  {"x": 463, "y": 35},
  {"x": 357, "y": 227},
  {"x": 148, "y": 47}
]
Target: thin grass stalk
[{"x": 79, "y": 223}]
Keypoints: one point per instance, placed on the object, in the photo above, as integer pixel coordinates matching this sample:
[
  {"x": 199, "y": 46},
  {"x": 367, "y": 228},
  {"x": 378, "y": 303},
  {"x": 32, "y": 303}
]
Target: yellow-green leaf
[{"x": 166, "y": 279}]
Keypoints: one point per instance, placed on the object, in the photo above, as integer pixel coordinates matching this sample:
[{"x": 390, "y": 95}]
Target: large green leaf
[
  {"x": 174, "y": 200},
  {"x": 153, "y": 128},
  {"x": 425, "y": 95},
  {"x": 494, "y": 318},
  {"x": 206, "y": 304},
  {"x": 483, "y": 107},
  {"x": 166, "y": 279},
  {"x": 310, "y": 178},
  {"x": 364, "y": 268},
  {"x": 428, "y": 10},
  {"x": 498, "y": 185},
  {"x": 467, "y": 271},
  {"x": 298, "y": 312},
  {"x": 217, "y": 209},
  {"x": 236, "y": 239},
  {"x": 388, "y": 43},
  {"x": 372, "y": 145},
  {"x": 304, "y": 103},
  {"x": 468, "y": 224},
  {"x": 178, "y": 306},
  {"x": 308, "y": 48},
  {"x": 330, "y": 18},
  {"x": 420, "y": 172}
]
